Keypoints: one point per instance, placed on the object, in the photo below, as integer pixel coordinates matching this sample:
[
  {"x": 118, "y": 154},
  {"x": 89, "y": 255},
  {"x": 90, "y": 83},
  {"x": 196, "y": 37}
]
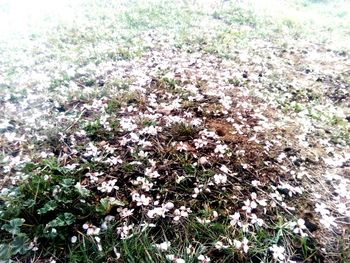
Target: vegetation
[{"x": 162, "y": 131}]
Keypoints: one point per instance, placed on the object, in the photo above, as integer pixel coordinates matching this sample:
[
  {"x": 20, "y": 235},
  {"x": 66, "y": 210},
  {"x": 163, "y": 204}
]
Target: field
[{"x": 174, "y": 131}]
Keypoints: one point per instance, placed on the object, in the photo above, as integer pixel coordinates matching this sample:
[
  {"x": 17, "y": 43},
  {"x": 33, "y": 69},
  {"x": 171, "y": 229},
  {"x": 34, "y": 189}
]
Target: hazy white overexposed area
[{"x": 179, "y": 131}]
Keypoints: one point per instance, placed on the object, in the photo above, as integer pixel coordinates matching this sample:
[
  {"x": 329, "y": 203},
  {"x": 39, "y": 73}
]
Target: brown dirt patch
[{"x": 225, "y": 130}]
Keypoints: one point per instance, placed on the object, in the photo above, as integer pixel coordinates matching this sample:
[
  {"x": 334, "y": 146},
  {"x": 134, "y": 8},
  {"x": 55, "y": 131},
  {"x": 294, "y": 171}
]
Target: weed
[
  {"x": 46, "y": 206},
  {"x": 182, "y": 131},
  {"x": 96, "y": 131},
  {"x": 129, "y": 175}
]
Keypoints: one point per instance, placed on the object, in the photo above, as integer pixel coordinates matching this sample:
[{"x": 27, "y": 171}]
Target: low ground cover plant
[{"x": 228, "y": 144}]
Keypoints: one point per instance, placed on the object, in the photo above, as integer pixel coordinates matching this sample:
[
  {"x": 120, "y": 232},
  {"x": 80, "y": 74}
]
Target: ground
[{"x": 181, "y": 131}]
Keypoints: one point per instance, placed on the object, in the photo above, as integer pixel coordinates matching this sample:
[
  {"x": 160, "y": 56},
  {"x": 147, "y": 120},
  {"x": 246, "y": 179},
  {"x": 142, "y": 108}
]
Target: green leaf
[
  {"x": 67, "y": 185},
  {"x": 49, "y": 206},
  {"x": 50, "y": 233},
  {"x": 107, "y": 203},
  {"x": 20, "y": 245},
  {"x": 67, "y": 182},
  {"x": 82, "y": 190},
  {"x": 65, "y": 219},
  {"x": 29, "y": 203},
  {"x": 29, "y": 167},
  {"x": 13, "y": 226},
  {"x": 115, "y": 202},
  {"x": 5, "y": 252}
]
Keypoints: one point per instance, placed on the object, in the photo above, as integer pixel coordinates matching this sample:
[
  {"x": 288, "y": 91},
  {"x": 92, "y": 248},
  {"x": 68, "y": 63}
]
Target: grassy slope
[{"x": 52, "y": 73}]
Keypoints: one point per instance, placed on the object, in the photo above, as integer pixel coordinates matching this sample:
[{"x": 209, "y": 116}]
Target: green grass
[
  {"x": 72, "y": 60},
  {"x": 80, "y": 41}
]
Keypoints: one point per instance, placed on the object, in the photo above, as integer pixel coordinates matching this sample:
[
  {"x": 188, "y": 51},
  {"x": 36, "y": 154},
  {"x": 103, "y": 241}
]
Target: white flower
[
  {"x": 108, "y": 186},
  {"x": 124, "y": 231},
  {"x": 134, "y": 137},
  {"x": 91, "y": 229},
  {"x": 203, "y": 258},
  {"x": 203, "y": 221},
  {"x": 276, "y": 195},
  {"x": 281, "y": 157},
  {"x": 71, "y": 166},
  {"x": 146, "y": 185},
  {"x": 224, "y": 169},
  {"x": 152, "y": 130},
  {"x": 182, "y": 212},
  {"x": 190, "y": 250},
  {"x": 113, "y": 160},
  {"x": 342, "y": 209},
  {"x": 199, "y": 143},
  {"x": 220, "y": 179},
  {"x": 157, "y": 211},
  {"x": 151, "y": 173},
  {"x": 91, "y": 150},
  {"x": 235, "y": 218},
  {"x": 328, "y": 221},
  {"x": 219, "y": 245},
  {"x": 146, "y": 225},
  {"x": 196, "y": 192},
  {"x": 196, "y": 121},
  {"x": 249, "y": 205},
  {"x": 255, "y": 220},
  {"x": 174, "y": 259},
  {"x": 182, "y": 147},
  {"x": 245, "y": 227},
  {"x": 142, "y": 154},
  {"x": 262, "y": 202},
  {"x": 160, "y": 211},
  {"x": 245, "y": 166},
  {"x": 127, "y": 124},
  {"x": 141, "y": 199},
  {"x": 322, "y": 209},
  {"x": 125, "y": 212},
  {"x": 299, "y": 227},
  {"x": 241, "y": 244},
  {"x": 221, "y": 149},
  {"x": 99, "y": 246},
  {"x": 291, "y": 189},
  {"x": 34, "y": 244},
  {"x": 256, "y": 183},
  {"x": 226, "y": 102},
  {"x": 169, "y": 206},
  {"x": 117, "y": 255},
  {"x": 81, "y": 133},
  {"x": 104, "y": 121},
  {"x": 124, "y": 141},
  {"x": 73, "y": 239},
  {"x": 203, "y": 160},
  {"x": 245, "y": 245},
  {"x": 94, "y": 176},
  {"x": 277, "y": 252},
  {"x": 163, "y": 246},
  {"x": 209, "y": 134},
  {"x": 145, "y": 144}
]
